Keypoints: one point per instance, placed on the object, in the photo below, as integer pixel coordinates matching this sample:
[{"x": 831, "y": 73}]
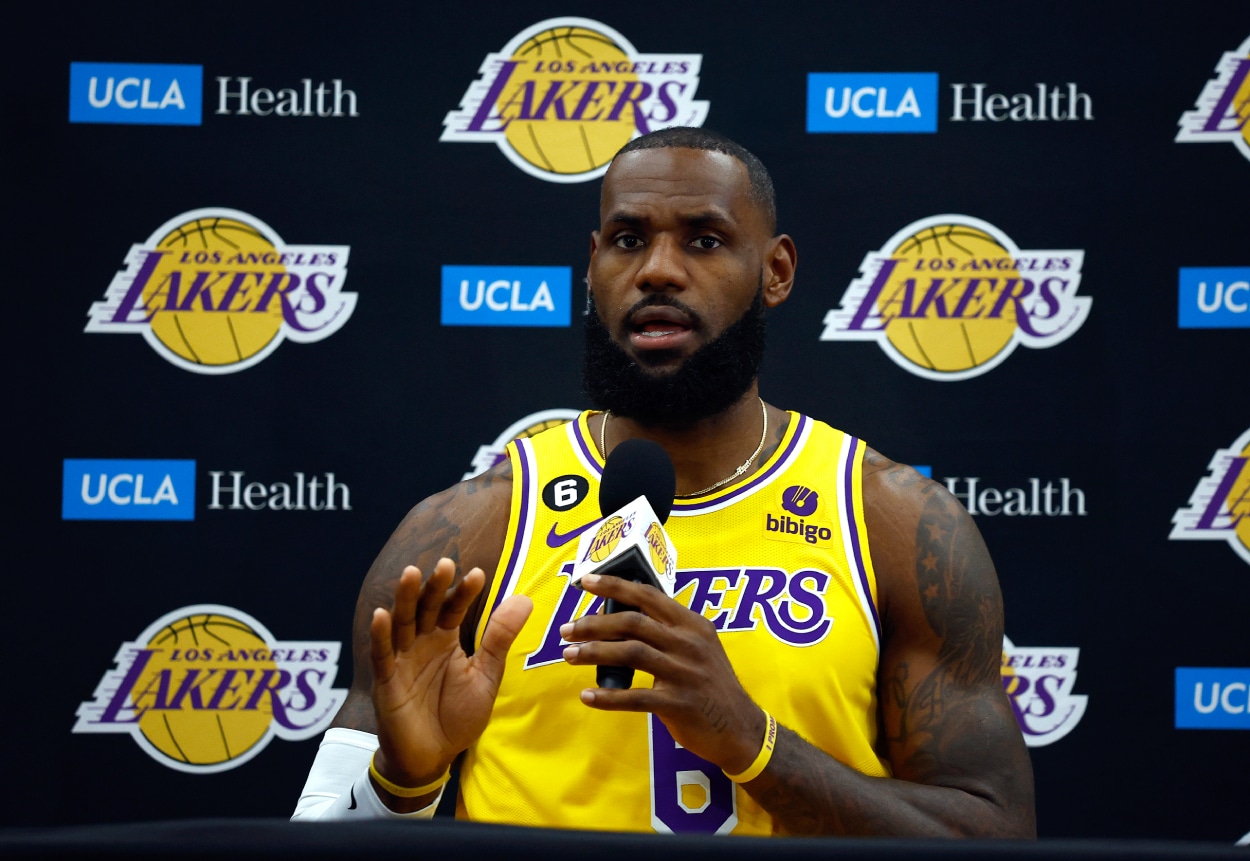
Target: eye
[
  {"x": 627, "y": 240},
  {"x": 707, "y": 243}
]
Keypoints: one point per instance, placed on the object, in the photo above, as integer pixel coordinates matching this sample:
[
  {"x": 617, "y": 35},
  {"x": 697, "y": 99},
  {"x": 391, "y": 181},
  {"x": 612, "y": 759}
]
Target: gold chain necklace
[{"x": 603, "y": 448}]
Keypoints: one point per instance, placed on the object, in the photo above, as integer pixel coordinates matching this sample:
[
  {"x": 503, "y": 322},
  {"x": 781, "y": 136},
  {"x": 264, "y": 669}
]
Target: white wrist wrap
[{"x": 338, "y": 785}]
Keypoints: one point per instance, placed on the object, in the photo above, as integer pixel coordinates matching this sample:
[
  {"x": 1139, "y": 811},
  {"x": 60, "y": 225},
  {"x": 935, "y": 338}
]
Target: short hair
[{"x": 691, "y": 137}]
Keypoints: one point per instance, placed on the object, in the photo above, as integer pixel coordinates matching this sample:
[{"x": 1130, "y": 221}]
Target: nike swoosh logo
[
  {"x": 352, "y": 806},
  {"x": 557, "y": 539}
]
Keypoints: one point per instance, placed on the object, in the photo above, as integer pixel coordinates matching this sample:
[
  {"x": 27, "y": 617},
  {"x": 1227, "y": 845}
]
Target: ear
[
  {"x": 780, "y": 260},
  {"x": 594, "y": 248}
]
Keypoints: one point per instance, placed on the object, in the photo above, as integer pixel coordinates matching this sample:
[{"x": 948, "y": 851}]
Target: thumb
[{"x": 502, "y": 629}]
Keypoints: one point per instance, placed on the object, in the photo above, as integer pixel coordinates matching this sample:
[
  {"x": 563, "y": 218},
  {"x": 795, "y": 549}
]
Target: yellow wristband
[
  {"x": 405, "y": 791},
  {"x": 761, "y": 759}
]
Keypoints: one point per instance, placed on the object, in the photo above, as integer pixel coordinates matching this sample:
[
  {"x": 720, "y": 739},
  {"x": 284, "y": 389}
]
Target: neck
[{"x": 712, "y": 448}]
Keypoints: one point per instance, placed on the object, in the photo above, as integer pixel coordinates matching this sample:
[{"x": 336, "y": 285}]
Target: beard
[{"x": 711, "y": 380}]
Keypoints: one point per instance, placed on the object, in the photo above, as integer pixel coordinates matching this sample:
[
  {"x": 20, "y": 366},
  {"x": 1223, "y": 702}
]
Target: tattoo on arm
[{"x": 950, "y": 733}]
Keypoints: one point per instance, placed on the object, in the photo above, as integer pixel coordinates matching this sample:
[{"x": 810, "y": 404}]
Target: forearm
[
  {"x": 810, "y": 793},
  {"x": 339, "y": 785}
]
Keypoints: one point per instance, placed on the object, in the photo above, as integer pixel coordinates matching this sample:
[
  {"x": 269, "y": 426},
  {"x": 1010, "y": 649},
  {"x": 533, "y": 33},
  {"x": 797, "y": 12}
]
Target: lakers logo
[
  {"x": 950, "y": 297},
  {"x": 216, "y": 291},
  {"x": 606, "y": 538},
  {"x": 205, "y": 688},
  {"x": 565, "y": 94},
  {"x": 1219, "y": 507},
  {"x": 534, "y": 423},
  {"x": 659, "y": 550},
  {"x": 1221, "y": 113},
  {"x": 1039, "y": 681}
]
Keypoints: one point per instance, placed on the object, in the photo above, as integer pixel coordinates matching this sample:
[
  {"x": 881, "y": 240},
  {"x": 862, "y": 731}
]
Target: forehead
[{"x": 672, "y": 181}]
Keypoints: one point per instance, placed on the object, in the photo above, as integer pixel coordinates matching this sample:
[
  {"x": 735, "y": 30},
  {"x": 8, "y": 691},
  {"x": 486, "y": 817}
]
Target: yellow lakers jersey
[{"x": 778, "y": 561}]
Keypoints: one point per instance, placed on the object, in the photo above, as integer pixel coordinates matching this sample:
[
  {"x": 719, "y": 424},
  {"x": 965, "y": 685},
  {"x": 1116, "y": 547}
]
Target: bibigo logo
[
  {"x": 565, "y": 94},
  {"x": 1222, "y": 111},
  {"x": 950, "y": 297},
  {"x": 216, "y": 290},
  {"x": 205, "y": 688},
  {"x": 1219, "y": 507}
]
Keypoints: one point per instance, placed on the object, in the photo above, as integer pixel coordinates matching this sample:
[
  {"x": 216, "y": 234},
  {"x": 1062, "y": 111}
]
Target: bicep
[{"x": 945, "y": 717}]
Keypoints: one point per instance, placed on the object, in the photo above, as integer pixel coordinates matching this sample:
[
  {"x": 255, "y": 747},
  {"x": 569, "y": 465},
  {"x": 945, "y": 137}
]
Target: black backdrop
[{"x": 1130, "y": 408}]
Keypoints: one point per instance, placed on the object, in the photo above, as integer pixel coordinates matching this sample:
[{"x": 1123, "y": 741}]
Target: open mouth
[
  {"x": 658, "y": 329},
  {"x": 659, "y": 323}
]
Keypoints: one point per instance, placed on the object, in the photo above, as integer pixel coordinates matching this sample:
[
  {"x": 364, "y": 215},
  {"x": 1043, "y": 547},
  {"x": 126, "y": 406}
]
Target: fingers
[
  {"x": 647, "y": 598},
  {"x": 381, "y": 655},
  {"x": 623, "y": 653},
  {"x": 460, "y": 599},
  {"x": 402, "y": 618},
  {"x": 661, "y": 622},
  {"x": 501, "y": 632},
  {"x": 631, "y": 700},
  {"x": 423, "y": 604},
  {"x": 434, "y": 593}
]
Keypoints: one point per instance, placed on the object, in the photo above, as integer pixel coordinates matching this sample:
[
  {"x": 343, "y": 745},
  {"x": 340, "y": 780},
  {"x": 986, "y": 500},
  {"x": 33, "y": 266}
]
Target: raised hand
[{"x": 431, "y": 699}]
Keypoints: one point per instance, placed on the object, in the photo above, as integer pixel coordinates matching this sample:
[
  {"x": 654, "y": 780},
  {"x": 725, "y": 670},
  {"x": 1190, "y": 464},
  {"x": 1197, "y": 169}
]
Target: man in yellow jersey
[{"x": 830, "y": 660}]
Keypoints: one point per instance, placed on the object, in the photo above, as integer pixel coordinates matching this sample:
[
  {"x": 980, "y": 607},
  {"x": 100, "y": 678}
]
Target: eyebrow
[{"x": 705, "y": 218}]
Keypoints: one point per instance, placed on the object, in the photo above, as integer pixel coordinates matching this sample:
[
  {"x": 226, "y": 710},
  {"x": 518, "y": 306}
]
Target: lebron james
[{"x": 829, "y": 663}]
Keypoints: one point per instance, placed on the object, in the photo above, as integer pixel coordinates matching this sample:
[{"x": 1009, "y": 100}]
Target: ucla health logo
[
  {"x": 1219, "y": 507},
  {"x": 534, "y": 423},
  {"x": 128, "y": 489},
  {"x": 1214, "y": 298},
  {"x": 950, "y": 297},
  {"x": 140, "y": 93},
  {"x": 507, "y": 295},
  {"x": 872, "y": 102},
  {"x": 801, "y": 520},
  {"x": 1039, "y": 681},
  {"x": 565, "y": 94},
  {"x": 205, "y": 688},
  {"x": 1223, "y": 108},
  {"x": 1212, "y": 698},
  {"x": 216, "y": 291}
]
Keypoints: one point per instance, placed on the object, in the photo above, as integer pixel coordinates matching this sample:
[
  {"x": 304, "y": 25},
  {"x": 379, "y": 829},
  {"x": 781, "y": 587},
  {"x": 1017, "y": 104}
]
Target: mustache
[{"x": 664, "y": 300}]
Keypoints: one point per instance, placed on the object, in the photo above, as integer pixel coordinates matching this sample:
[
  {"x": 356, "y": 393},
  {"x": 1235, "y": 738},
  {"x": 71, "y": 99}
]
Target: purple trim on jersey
[
  {"x": 856, "y": 553},
  {"x": 589, "y": 450},
  {"x": 758, "y": 479},
  {"x": 522, "y": 524}
]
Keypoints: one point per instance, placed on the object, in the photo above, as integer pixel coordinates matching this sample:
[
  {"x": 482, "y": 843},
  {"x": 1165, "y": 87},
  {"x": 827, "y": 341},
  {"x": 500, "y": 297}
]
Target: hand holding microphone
[{"x": 635, "y": 498}]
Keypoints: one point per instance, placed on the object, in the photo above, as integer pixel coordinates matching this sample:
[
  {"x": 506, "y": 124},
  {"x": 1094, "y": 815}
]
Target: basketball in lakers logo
[
  {"x": 606, "y": 538},
  {"x": 216, "y": 290},
  {"x": 209, "y": 642},
  {"x": 950, "y": 297},
  {"x": 205, "y": 689},
  {"x": 565, "y": 94}
]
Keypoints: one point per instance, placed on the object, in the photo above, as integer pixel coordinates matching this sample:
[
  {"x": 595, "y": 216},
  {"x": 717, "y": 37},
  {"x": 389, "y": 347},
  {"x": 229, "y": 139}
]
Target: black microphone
[{"x": 636, "y": 467}]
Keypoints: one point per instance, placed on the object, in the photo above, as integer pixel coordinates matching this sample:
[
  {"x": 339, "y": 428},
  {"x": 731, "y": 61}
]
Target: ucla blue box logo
[
  {"x": 507, "y": 295},
  {"x": 1214, "y": 298},
  {"x": 872, "y": 102},
  {"x": 143, "y": 93},
  {"x": 128, "y": 490},
  {"x": 1212, "y": 698}
]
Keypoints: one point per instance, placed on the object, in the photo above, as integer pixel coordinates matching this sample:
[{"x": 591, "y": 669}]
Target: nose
[{"x": 663, "y": 266}]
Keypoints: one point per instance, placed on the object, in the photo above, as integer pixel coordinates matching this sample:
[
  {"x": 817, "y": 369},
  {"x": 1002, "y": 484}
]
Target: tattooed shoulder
[{"x": 899, "y": 474}]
